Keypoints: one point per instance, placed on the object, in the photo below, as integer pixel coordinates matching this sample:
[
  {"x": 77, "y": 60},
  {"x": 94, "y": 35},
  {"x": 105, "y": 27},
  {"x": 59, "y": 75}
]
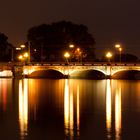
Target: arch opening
[
  {"x": 88, "y": 74},
  {"x": 53, "y": 74},
  {"x": 127, "y": 74}
]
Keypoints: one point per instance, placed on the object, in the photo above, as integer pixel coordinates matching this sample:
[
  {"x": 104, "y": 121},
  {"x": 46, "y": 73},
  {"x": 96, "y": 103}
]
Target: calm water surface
[{"x": 69, "y": 109}]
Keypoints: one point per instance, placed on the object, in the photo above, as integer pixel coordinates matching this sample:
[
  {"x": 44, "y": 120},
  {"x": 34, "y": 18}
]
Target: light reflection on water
[
  {"x": 118, "y": 108},
  {"x": 108, "y": 109},
  {"x": 23, "y": 107},
  {"x": 5, "y": 87},
  {"x": 118, "y": 112},
  {"x": 69, "y": 109}
]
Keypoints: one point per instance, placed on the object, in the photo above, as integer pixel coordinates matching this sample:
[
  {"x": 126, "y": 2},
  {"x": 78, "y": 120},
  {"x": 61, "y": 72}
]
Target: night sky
[{"x": 109, "y": 21}]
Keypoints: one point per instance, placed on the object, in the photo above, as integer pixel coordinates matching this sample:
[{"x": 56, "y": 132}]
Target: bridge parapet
[
  {"x": 66, "y": 70},
  {"x": 115, "y": 69},
  {"x": 19, "y": 69},
  {"x": 106, "y": 69}
]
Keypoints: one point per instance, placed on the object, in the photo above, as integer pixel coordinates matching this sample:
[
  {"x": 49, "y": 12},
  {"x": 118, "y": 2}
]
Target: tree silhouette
[
  {"x": 5, "y": 48},
  {"x": 126, "y": 57},
  {"x": 48, "y": 42}
]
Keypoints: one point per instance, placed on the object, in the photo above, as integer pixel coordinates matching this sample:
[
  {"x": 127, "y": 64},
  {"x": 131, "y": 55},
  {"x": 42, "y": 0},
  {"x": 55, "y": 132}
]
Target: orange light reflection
[
  {"x": 108, "y": 108},
  {"x": 118, "y": 113},
  {"x": 69, "y": 110},
  {"x": 66, "y": 106},
  {"x": 23, "y": 107},
  {"x": 78, "y": 112}
]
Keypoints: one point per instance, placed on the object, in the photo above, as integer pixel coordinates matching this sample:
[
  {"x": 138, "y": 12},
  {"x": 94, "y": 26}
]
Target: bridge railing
[
  {"x": 82, "y": 64},
  {"x": 69, "y": 64}
]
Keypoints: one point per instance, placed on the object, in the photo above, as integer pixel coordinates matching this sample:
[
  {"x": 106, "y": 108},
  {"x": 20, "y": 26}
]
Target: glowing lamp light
[
  {"x": 22, "y": 46},
  {"x": 109, "y": 55},
  {"x": 25, "y": 55},
  {"x": 20, "y": 57},
  {"x": 71, "y": 46},
  {"x": 117, "y": 46},
  {"x": 78, "y": 49},
  {"x": 18, "y": 48},
  {"x": 120, "y": 49},
  {"x": 66, "y": 55}
]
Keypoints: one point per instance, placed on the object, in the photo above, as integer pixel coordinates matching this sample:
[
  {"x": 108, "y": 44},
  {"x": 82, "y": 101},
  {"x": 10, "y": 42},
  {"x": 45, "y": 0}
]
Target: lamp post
[
  {"x": 71, "y": 49},
  {"x": 22, "y": 46},
  {"x": 66, "y": 55},
  {"x": 26, "y": 55},
  {"x": 120, "y": 50},
  {"x": 29, "y": 51},
  {"x": 20, "y": 57},
  {"x": 118, "y": 46},
  {"x": 109, "y": 55},
  {"x": 71, "y": 46}
]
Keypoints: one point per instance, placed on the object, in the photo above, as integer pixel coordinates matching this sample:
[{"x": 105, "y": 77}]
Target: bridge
[{"x": 67, "y": 70}]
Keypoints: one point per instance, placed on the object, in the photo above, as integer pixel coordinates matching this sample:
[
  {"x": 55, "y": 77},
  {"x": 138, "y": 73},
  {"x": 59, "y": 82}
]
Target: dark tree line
[
  {"x": 125, "y": 57},
  {"x": 48, "y": 42},
  {"x": 5, "y": 48}
]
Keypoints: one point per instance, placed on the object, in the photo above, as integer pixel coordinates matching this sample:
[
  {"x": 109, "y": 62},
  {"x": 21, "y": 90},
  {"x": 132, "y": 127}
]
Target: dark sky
[{"x": 109, "y": 21}]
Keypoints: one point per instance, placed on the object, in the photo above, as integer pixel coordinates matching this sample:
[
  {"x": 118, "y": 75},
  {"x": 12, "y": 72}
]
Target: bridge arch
[
  {"x": 48, "y": 73},
  {"x": 88, "y": 73},
  {"x": 126, "y": 74},
  {"x": 107, "y": 70},
  {"x": 28, "y": 70}
]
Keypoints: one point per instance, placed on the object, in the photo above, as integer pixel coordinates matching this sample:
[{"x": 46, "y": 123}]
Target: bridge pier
[
  {"x": 66, "y": 76},
  {"x": 108, "y": 77},
  {"x": 17, "y": 71}
]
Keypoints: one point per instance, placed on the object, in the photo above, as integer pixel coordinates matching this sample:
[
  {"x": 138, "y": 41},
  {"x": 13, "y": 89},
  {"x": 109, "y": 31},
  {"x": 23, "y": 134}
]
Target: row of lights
[
  {"x": 67, "y": 54},
  {"x": 109, "y": 54},
  {"x": 27, "y": 54}
]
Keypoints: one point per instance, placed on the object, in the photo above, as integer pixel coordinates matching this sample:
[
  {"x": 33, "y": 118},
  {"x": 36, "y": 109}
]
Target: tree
[
  {"x": 48, "y": 42},
  {"x": 5, "y": 48},
  {"x": 126, "y": 58}
]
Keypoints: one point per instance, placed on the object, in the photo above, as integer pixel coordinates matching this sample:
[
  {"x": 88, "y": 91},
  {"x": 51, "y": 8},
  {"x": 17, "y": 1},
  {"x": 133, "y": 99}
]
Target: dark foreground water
[{"x": 43, "y": 109}]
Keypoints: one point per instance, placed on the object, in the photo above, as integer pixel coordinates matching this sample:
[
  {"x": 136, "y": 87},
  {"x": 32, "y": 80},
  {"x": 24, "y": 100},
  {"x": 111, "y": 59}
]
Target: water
[{"x": 69, "y": 109}]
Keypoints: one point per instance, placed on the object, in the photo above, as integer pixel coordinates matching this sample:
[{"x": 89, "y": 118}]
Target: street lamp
[
  {"x": 20, "y": 57},
  {"x": 120, "y": 50},
  {"x": 71, "y": 46},
  {"x": 23, "y": 57},
  {"x": 66, "y": 55},
  {"x": 71, "y": 49},
  {"x": 22, "y": 46},
  {"x": 109, "y": 55},
  {"x": 118, "y": 46},
  {"x": 28, "y": 48},
  {"x": 26, "y": 55}
]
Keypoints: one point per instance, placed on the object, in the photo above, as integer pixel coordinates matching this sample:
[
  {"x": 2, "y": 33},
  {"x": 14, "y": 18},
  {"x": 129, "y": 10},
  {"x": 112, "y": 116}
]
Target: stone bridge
[
  {"x": 68, "y": 70},
  {"x": 108, "y": 69}
]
